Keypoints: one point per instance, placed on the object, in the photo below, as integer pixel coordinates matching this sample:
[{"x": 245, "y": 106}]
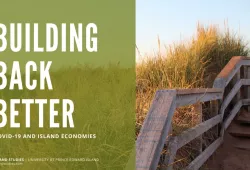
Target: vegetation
[
  {"x": 104, "y": 100},
  {"x": 186, "y": 65},
  {"x": 191, "y": 64}
]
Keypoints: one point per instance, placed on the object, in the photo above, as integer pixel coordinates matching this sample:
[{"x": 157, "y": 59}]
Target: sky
[{"x": 175, "y": 20}]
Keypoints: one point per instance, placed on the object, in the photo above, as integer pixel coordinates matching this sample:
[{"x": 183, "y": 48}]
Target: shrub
[{"x": 191, "y": 64}]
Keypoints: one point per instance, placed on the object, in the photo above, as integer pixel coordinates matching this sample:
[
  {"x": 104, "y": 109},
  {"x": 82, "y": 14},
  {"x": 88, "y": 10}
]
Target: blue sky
[{"x": 175, "y": 20}]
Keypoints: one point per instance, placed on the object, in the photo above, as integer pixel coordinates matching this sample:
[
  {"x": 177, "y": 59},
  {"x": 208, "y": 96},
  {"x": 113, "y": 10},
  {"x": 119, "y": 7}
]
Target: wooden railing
[{"x": 155, "y": 131}]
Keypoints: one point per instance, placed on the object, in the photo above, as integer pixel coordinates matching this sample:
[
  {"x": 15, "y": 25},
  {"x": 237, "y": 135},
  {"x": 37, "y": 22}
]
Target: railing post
[
  {"x": 171, "y": 151},
  {"x": 168, "y": 154},
  {"x": 238, "y": 95},
  {"x": 218, "y": 83},
  {"x": 154, "y": 131},
  {"x": 198, "y": 111},
  {"x": 214, "y": 111},
  {"x": 248, "y": 87}
]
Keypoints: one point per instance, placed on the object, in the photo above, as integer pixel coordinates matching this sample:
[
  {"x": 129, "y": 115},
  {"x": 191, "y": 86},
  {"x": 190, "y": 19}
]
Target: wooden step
[
  {"x": 242, "y": 143},
  {"x": 244, "y": 117},
  {"x": 240, "y": 130}
]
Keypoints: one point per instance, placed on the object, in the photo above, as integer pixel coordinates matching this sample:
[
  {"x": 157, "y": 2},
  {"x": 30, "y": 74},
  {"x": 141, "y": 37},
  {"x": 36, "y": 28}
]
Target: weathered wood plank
[
  {"x": 245, "y": 77},
  {"x": 228, "y": 72},
  {"x": 232, "y": 114},
  {"x": 201, "y": 159},
  {"x": 192, "y": 133},
  {"x": 155, "y": 129},
  {"x": 248, "y": 87},
  {"x": 230, "y": 96},
  {"x": 238, "y": 130},
  {"x": 236, "y": 79},
  {"x": 198, "y": 90},
  {"x": 246, "y": 102},
  {"x": 244, "y": 117},
  {"x": 189, "y": 99},
  {"x": 198, "y": 111},
  {"x": 231, "y": 67},
  {"x": 214, "y": 111},
  {"x": 171, "y": 153},
  {"x": 232, "y": 93},
  {"x": 243, "y": 143},
  {"x": 245, "y": 88}
]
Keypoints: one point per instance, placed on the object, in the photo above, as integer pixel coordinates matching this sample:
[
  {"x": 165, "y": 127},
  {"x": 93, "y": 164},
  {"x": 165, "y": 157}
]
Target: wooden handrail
[
  {"x": 192, "y": 133},
  {"x": 228, "y": 72},
  {"x": 181, "y": 92},
  {"x": 155, "y": 129},
  {"x": 192, "y": 96},
  {"x": 232, "y": 93},
  {"x": 234, "y": 111},
  {"x": 201, "y": 159},
  {"x": 158, "y": 121}
]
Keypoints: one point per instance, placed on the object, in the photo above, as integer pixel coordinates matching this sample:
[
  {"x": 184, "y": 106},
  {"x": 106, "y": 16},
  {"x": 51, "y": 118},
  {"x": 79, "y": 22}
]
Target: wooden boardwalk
[
  {"x": 234, "y": 153},
  {"x": 229, "y": 101}
]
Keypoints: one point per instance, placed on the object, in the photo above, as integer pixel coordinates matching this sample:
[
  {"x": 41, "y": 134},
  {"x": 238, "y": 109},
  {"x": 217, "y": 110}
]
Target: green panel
[{"x": 101, "y": 85}]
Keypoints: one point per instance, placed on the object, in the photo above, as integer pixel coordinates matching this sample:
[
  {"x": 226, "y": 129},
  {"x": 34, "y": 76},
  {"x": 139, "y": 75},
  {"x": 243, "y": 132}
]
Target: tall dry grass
[
  {"x": 186, "y": 65},
  {"x": 191, "y": 64}
]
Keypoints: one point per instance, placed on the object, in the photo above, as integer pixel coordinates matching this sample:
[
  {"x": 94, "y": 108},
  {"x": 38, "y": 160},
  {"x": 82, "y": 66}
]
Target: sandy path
[{"x": 227, "y": 157}]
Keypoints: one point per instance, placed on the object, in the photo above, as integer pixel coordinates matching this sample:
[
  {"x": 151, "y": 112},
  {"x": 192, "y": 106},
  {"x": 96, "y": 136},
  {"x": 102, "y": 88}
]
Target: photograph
[
  {"x": 125, "y": 85},
  {"x": 67, "y": 85},
  {"x": 192, "y": 85}
]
